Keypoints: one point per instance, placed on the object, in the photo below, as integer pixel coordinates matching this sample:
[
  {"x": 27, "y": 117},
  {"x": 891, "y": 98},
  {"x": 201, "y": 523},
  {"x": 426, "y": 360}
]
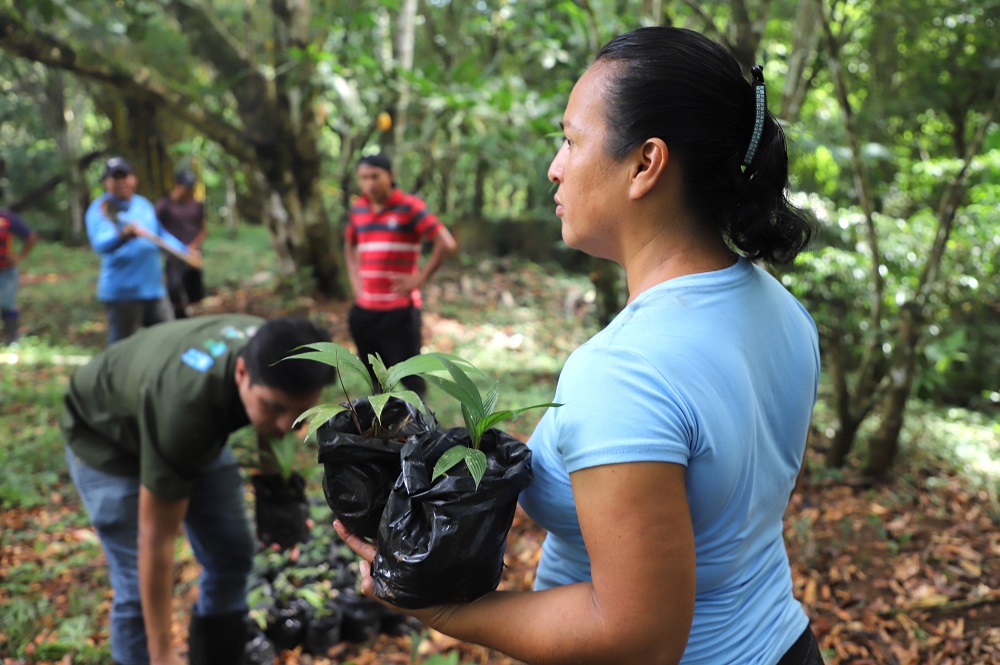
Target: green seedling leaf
[
  {"x": 318, "y": 416},
  {"x": 472, "y": 421},
  {"x": 381, "y": 372},
  {"x": 379, "y": 401},
  {"x": 449, "y": 459},
  {"x": 312, "y": 597},
  {"x": 500, "y": 416},
  {"x": 452, "y": 389},
  {"x": 477, "y": 409},
  {"x": 422, "y": 364},
  {"x": 495, "y": 419},
  {"x": 475, "y": 460},
  {"x": 470, "y": 395},
  {"x": 412, "y": 398},
  {"x": 338, "y": 356},
  {"x": 518, "y": 412},
  {"x": 282, "y": 453},
  {"x": 491, "y": 397},
  {"x": 259, "y": 617}
]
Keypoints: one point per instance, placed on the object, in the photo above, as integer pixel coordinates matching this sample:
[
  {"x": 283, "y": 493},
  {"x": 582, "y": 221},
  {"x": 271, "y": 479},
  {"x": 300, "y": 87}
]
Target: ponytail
[{"x": 762, "y": 224}]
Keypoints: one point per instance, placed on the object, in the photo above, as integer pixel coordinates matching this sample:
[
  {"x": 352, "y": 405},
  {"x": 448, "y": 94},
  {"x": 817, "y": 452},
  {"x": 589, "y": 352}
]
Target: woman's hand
[
  {"x": 363, "y": 549},
  {"x": 366, "y": 551}
]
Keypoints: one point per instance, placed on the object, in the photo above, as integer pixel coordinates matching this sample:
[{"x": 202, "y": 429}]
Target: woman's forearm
[{"x": 560, "y": 626}]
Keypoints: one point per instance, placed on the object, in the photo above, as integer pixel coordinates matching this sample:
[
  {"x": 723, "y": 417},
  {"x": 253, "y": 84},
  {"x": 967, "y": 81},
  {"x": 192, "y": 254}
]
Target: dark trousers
[
  {"x": 185, "y": 285},
  {"x": 805, "y": 651},
  {"x": 127, "y": 316},
  {"x": 394, "y": 335}
]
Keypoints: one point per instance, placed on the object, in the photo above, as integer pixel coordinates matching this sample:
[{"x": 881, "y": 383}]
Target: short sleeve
[
  {"x": 618, "y": 408},
  {"x": 425, "y": 223},
  {"x": 18, "y": 226}
]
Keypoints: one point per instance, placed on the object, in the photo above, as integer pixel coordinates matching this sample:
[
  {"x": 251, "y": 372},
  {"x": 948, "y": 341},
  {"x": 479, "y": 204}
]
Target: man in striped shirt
[{"x": 382, "y": 250}]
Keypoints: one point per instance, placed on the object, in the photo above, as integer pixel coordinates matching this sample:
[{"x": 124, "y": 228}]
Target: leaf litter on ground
[{"x": 897, "y": 573}]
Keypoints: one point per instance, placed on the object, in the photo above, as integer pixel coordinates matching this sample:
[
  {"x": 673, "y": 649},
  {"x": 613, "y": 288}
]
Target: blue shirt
[
  {"x": 130, "y": 270},
  {"x": 717, "y": 372}
]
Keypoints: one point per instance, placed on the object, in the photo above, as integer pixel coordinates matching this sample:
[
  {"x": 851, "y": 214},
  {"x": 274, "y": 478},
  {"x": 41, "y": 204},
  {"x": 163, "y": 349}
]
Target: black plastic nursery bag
[
  {"x": 281, "y": 509},
  {"x": 359, "y": 469},
  {"x": 443, "y": 541}
]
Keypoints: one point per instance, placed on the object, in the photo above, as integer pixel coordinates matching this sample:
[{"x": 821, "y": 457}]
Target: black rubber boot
[
  {"x": 218, "y": 639},
  {"x": 10, "y": 328}
]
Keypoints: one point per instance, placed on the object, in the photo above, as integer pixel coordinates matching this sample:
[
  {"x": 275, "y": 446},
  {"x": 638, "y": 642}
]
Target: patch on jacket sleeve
[{"x": 198, "y": 360}]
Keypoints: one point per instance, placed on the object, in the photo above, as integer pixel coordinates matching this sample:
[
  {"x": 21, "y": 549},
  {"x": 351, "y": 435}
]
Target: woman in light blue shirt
[{"x": 663, "y": 478}]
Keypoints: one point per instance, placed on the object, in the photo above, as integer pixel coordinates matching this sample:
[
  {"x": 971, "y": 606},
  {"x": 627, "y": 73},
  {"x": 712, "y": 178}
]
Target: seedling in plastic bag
[
  {"x": 389, "y": 380},
  {"x": 282, "y": 453},
  {"x": 479, "y": 413}
]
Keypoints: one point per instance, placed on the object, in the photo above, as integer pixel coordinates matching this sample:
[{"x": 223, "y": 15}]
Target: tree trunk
[
  {"x": 47, "y": 87},
  {"x": 871, "y": 370},
  {"x": 747, "y": 31},
  {"x": 479, "y": 194},
  {"x": 654, "y": 10},
  {"x": 805, "y": 44},
  {"x": 283, "y": 132},
  {"x": 136, "y": 135},
  {"x": 405, "y": 29},
  {"x": 886, "y": 442},
  {"x": 844, "y": 435},
  {"x": 232, "y": 216},
  {"x": 277, "y": 138},
  {"x": 911, "y": 316},
  {"x": 851, "y": 406}
]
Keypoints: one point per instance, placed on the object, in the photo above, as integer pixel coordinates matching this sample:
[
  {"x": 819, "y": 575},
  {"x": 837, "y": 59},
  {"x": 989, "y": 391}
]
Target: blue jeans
[
  {"x": 216, "y": 523},
  {"x": 8, "y": 288},
  {"x": 127, "y": 316}
]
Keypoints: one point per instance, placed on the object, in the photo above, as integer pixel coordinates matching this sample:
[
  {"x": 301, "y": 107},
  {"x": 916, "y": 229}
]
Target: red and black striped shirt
[{"x": 388, "y": 244}]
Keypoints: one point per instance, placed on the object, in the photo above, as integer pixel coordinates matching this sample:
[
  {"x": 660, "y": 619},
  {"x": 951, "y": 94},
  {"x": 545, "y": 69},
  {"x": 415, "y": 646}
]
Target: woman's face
[{"x": 593, "y": 187}]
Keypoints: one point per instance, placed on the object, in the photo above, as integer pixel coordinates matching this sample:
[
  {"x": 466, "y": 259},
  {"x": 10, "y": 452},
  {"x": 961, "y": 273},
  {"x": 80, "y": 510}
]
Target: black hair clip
[{"x": 760, "y": 110}]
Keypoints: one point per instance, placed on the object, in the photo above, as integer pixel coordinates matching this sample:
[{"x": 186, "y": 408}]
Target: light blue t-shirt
[
  {"x": 717, "y": 372},
  {"x": 130, "y": 270}
]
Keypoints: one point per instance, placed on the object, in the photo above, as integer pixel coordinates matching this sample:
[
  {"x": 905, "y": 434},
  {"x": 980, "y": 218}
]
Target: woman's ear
[{"x": 650, "y": 165}]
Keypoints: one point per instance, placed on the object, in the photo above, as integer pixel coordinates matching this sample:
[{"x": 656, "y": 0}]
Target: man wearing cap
[
  {"x": 123, "y": 229},
  {"x": 382, "y": 250},
  {"x": 183, "y": 216}
]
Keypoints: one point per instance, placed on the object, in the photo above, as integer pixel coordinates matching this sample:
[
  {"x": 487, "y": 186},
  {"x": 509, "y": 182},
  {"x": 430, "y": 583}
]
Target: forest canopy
[{"x": 891, "y": 110}]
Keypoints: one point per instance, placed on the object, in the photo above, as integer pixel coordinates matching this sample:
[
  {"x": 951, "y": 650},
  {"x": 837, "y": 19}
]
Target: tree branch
[
  {"x": 709, "y": 22},
  {"x": 871, "y": 371},
  {"x": 253, "y": 92},
  {"x": 34, "y": 44},
  {"x": 950, "y": 200},
  {"x": 42, "y": 190}
]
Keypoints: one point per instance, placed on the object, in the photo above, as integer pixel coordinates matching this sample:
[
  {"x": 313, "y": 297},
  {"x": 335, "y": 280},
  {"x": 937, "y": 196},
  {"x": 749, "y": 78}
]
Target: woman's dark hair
[
  {"x": 680, "y": 86},
  {"x": 276, "y": 340}
]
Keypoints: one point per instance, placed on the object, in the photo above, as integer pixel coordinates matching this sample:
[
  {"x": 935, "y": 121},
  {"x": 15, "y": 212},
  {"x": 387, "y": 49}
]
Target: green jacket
[{"x": 161, "y": 403}]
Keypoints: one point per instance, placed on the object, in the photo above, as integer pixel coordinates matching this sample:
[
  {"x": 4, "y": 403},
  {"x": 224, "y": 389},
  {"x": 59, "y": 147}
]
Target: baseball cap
[
  {"x": 185, "y": 177},
  {"x": 379, "y": 161},
  {"x": 117, "y": 165}
]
